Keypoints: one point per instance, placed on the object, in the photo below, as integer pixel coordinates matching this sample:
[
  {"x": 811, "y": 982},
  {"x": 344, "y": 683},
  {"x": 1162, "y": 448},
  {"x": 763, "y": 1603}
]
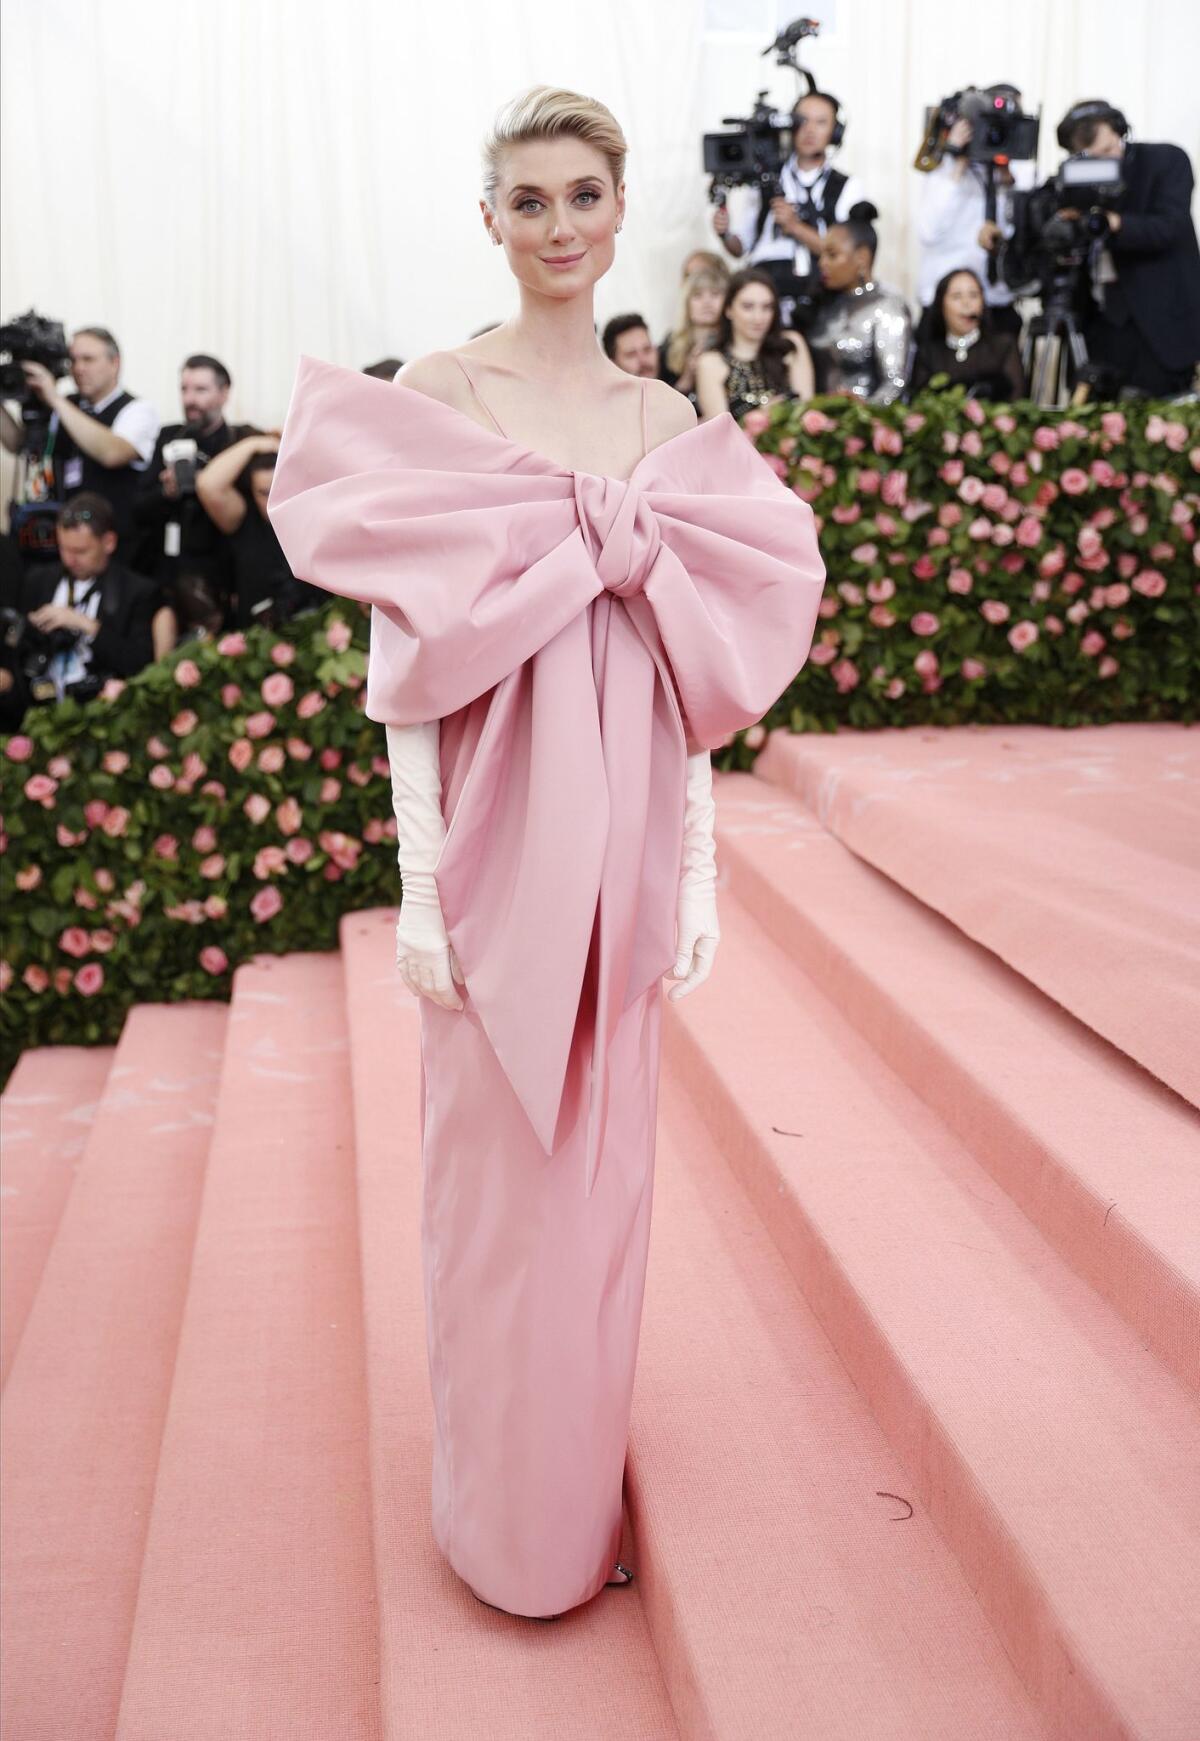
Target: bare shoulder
[
  {"x": 436, "y": 374},
  {"x": 711, "y": 366},
  {"x": 668, "y": 413}
]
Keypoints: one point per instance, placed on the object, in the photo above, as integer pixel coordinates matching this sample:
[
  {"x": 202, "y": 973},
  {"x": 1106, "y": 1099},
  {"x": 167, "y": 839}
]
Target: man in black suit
[
  {"x": 1144, "y": 315},
  {"x": 100, "y": 610}
]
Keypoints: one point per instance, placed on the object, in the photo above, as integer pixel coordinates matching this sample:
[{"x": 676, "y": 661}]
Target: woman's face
[
  {"x": 704, "y": 307},
  {"x": 555, "y": 202},
  {"x": 962, "y": 304},
  {"x": 842, "y": 264},
  {"x": 751, "y": 313}
]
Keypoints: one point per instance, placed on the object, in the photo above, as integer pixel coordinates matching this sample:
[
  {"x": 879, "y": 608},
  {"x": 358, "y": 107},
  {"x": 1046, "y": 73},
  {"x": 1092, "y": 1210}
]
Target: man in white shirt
[
  {"x": 785, "y": 240},
  {"x": 954, "y": 230},
  {"x": 100, "y": 437}
]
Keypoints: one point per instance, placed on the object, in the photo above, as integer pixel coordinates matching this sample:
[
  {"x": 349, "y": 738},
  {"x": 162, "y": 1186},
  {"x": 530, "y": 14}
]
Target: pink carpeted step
[
  {"x": 1074, "y": 855},
  {"x": 1057, "y": 1456},
  {"x": 85, "y": 1401},
  {"x": 448, "y": 1666},
  {"x": 46, "y": 1112},
  {"x": 1096, "y": 1151},
  {"x": 255, "y": 1615},
  {"x": 796, "y": 1583}
]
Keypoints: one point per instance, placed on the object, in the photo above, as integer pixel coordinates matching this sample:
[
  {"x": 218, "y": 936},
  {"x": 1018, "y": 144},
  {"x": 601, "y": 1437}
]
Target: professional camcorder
[
  {"x": 31, "y": 339},
  {"x": 755, "y": 153},
  {"x": 1001, "y": 133}
]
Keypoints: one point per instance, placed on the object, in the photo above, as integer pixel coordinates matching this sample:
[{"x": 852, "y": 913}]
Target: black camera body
[
  {"x": 751, "y": 156},
  {"x": 1045, "y": 245},
  {"x": 31, "y": 339},
  {"x": 29, "y": 650}
]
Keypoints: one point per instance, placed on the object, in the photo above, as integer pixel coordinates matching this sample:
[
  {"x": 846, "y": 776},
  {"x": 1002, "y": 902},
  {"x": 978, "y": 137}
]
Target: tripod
[{"x": 1053, "y": 343}]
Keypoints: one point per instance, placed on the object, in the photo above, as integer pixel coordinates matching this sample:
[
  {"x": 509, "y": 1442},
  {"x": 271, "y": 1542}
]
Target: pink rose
[
  {"x": 974, "y": 412},
  {"x": 1112, "y": 423},
  {"x": 231, "y": 645},
  {"x": 882, "y": 617},
  {"x": 1103, "y": 473},
  {"x": 1053, "y": 562},
  {"x": 895, "y": 689},
  {"x": 215, "y": 906},
  {"x": 330, "y": 759},
  {"x": 30, "y": 877},
  {"x": 1029, "y": 532},
  {"x": 846, "y": 514},
  {"x": 949, "y": 514},
  {"x": 261, "y": 725},
  {"x": 973, "y": 668},
  {"x": 269, "y": 861},
  {"x": 283, "y": 653},
  {"x": 184, "y": 722},
  {"x": 926, "y": 663},
  {"x": 1116, "y": 595},
  {"x": 754, "y": 422},
  {"x": 980, "y": 529},
  {"x": 114, "y": 761},
  {"x": 266, "y": 903},
  {"x": 1150, "y": 583},
  {"x": 1002, "y": 534},
  {"x": 205, "y": 838},
  {"x": 822, "y": 655},
  {"x": 885, "y": 525},
  {"x": 1122, "y": 629},
  {"x": 288, "y": 816},
  {"x": 1045, "y": 439},
  {"x": 924, "y": 568},
  {"x": 299, "y": 851},
  {"x": 869, "y": 482},
  {"x": 971, "y": 490},
  {"x": 231, "y": 694},
  {"x": 1108, "y": 666},
  {"x": 924, "y": 623},
  {"x": 103, "y": 879},
  {"x": 994, "y": 497},
  {"x": 1092, "y": 643},
  {"x": 241, "y": 754},
  {"x": 74, "y": 941},
  {"x": 959, "y": 580},
  {"x": 212, "y": 867},
  {"x": 85, "y": 898},
  {"x": 1053, "y": 625},
  {"x": 814, "y": 422},
  {"x": 887, "y": 441},
  {"x": 277, "y": 689},
  {"x": 895, "y": 489},
  {"x": 165, "y": 846},
  {"x": 338, "y": 635},
  {"x": 952, "y": 472},
  {"x": 851, "y": 593},
  {"x": 187, "y": 674},
  {"x": 257, "y": 807},
  {"x": 1005, "y": 422},
  {"x": 89, "y": 979},
  {"x": 157, "y": 749},
  {"x": 19, "y": 749},
  {"x": 310, "y": 705},
  {"x": 161, "y": 777},
  {"x": 330, "y": 791},
  {"x": 271, "y": 759},
  {"x": 103, "y": 940},
  {"x": 971, "y": 443},
  {"x": 299, "y": 750},
  {"x": 1022, "y": 635},
  {"x": 864, "y": 553},
  {"x": 1074, "y": 481},
  {"x": 39, "y": 787},
  {"x": 116, "y": 822},
  {"x": 1089, "y": 542},
  {"x": 994, "y": 610},
  {"x": 845, "y": 675},
  {"x": 94, "y": 812},
  {"x": 879, "y": 591},
  {"x": 1079, "y": 611},
  {"x": 1018, "y": 477},
  {"x": 36, "y": 978},
  {"x": 777, "y": 464},
  {"x": 213, "y": 960},
  {"x": 755, "y": 737},
  {"x": 1001, "y": 463},
  {"x": 1040, "y": 591}
]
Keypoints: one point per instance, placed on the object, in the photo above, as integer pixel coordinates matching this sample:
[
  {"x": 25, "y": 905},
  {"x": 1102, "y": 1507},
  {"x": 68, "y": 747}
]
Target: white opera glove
[
  {"x": 697, "y": 932},
  {"x": 427, "y": 962}
]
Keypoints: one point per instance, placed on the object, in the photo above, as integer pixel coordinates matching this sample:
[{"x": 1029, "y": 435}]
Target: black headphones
[
  {"x": 839, "y": 125},
  {"x": 1090, "y": 111}
]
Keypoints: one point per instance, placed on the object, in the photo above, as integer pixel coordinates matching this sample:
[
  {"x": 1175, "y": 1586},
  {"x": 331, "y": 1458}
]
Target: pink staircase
[{"x": 916, "y": 1428}]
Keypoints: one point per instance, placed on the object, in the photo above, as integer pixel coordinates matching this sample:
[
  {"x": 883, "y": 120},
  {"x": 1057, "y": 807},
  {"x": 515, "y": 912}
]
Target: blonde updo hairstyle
[{"x": 546, "y": 112}]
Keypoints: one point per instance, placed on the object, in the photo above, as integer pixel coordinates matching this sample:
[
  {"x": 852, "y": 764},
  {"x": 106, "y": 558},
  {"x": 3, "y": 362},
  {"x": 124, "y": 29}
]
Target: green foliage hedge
[{"x": 984, "y": 564}]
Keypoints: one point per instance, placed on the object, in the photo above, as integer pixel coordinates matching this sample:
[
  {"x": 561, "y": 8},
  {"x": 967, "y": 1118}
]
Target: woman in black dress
[
  {"x": 957, "y": 338},
  {"x": 754, "y": 360}
]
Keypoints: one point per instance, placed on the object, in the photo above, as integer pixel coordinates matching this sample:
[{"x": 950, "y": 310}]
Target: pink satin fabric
[{"x": 573, "y": 633}]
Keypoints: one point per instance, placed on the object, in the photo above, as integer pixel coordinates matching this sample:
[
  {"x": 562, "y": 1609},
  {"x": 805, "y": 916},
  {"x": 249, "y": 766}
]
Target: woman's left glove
[{"x": 697, "y": 932}]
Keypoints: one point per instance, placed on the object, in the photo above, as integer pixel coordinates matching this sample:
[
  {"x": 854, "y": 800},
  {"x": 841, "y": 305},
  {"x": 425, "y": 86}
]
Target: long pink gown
[{"x": 575, "y": 635}]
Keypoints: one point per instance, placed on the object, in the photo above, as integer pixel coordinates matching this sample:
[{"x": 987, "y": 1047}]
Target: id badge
[
  {"x": 73, "y": 472},
  {"x": 172, "y": 538}
]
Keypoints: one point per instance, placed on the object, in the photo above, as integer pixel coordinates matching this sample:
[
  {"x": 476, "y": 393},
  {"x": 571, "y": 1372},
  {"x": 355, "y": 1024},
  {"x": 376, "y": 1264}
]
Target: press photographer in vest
[
  {"x": 785, "y": 239},
  {"x": 86, "y": 619},
  {"x": 174, "y": 532},
  {"x": 102, "y": 438}
]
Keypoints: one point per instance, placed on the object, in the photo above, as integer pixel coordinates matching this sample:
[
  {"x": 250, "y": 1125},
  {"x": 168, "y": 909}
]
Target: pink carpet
[{"x": 916, "y": 1424}]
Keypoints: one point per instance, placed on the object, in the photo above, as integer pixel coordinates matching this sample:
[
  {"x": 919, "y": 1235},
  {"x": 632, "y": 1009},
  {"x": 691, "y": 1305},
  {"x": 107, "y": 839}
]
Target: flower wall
[{"x": 992, "y": 564}]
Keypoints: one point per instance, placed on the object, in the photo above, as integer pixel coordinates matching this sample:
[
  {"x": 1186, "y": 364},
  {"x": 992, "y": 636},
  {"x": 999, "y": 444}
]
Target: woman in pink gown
[{"x": 580, "y": 591}]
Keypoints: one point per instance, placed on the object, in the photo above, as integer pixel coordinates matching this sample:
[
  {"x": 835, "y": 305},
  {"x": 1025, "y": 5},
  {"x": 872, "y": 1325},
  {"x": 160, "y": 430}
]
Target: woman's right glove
[{"x": 427, "y": 962}]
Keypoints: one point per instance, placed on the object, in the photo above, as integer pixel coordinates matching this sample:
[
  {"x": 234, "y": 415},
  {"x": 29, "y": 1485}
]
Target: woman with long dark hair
[
  {"x": 754, "y": 360},
  {"x": 958, "y": 338}
]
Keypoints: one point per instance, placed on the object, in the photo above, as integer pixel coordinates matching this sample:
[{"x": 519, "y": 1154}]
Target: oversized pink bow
[{"x": 572, "y": 632}]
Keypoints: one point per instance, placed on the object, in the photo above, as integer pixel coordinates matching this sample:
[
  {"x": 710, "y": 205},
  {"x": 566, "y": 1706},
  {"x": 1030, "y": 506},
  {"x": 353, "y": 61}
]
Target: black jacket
[
  {"x": 201, "y": 545},
  {"x": 122, "y": 645},
  {"x": 1156, "y": 256}
]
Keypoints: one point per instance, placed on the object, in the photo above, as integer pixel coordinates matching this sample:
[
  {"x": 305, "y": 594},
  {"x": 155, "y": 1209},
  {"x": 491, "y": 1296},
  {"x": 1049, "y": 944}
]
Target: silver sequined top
[{"x": 860, "y": 344}]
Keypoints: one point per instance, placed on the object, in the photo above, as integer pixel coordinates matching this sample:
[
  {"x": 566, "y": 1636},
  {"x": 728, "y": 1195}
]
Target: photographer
[
  {"x": 68, "y": 632},
  {"x": 785, "y": 238},
  {"x": 1144, "y": 316},
  {"x": 101, "y": 438},
  {"x": 264, "y": 588},
  {"x": 953, "y": 228},
  {"x": 174, "y": 531}
]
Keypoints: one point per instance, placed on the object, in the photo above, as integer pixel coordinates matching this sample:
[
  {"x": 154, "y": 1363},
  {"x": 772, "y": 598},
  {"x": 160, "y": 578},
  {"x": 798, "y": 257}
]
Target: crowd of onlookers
[{"x": 127, "y": 537}]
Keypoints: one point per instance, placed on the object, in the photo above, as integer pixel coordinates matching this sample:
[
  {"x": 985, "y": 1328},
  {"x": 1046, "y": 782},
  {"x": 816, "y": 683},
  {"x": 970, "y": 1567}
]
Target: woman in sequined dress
[
  {"x": 861, "y": 339},
  {"x": 754, "y": 360}
]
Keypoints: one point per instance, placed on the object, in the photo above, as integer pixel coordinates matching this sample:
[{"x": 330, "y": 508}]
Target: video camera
[
  {"x": 31, "y": 339},
  {"x": 754, "y": 155},
  {"x": 1001, "y": 132}
]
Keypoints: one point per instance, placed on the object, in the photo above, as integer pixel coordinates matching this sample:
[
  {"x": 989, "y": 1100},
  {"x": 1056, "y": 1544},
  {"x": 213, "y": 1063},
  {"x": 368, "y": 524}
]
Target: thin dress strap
[
  {"x": 645, "y": 437},
  {"x": 478, "y": 394}
]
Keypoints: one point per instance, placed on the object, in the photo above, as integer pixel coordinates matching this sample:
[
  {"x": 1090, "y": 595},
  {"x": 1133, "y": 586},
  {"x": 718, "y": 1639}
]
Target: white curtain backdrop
[{"x": 257, "y": 178}]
